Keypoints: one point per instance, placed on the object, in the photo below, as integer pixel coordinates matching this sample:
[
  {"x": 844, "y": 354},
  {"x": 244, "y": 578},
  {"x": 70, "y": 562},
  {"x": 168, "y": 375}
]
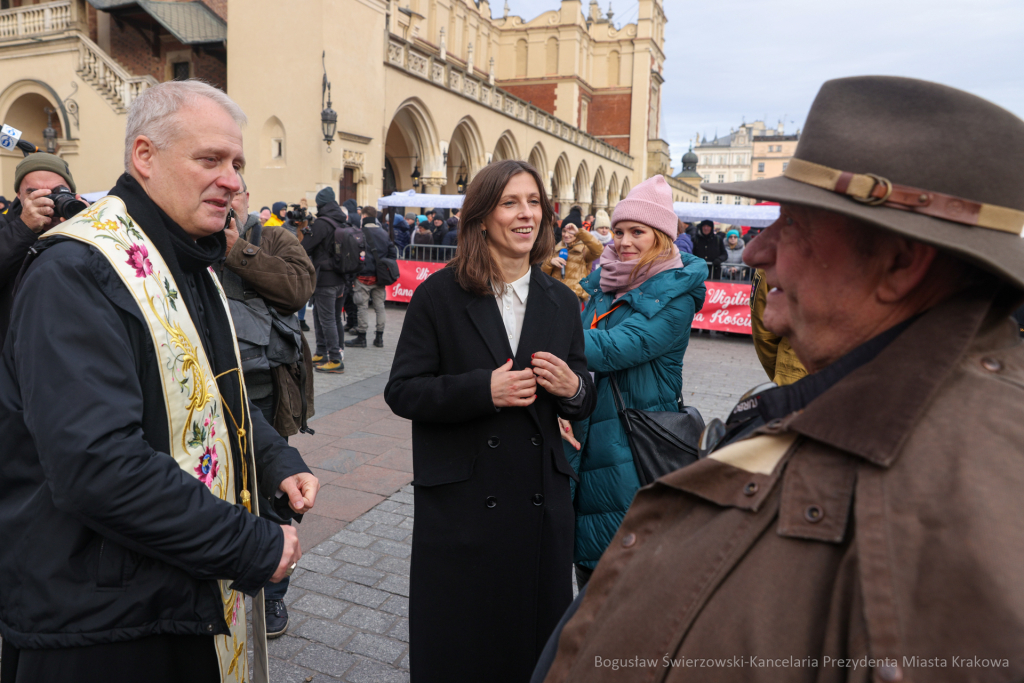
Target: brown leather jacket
[
  {"x": 584, "y": 250},
  {"x": 876, "y": 535},
  {"x": 280, "y": 272}
]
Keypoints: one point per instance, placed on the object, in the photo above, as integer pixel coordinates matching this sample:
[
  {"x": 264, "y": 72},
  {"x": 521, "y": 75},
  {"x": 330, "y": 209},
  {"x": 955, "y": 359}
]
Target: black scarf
[{"x": 189, "y": 261}]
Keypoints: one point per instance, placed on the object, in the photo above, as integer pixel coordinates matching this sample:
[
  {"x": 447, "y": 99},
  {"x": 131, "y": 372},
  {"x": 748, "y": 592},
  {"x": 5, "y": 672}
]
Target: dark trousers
[
  {"x": 154, "y": 659},
  {"x": 325, "y": 321},
  {"x": 302, "y": 311},
  {"x": 272, "y": 591}
]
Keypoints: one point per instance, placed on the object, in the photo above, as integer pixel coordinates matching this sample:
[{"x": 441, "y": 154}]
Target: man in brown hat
[{"x": 863, "y": 523}]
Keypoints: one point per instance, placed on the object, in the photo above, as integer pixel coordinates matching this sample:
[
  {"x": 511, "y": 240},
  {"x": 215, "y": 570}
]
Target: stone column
[{"x": 432, "y": 185}]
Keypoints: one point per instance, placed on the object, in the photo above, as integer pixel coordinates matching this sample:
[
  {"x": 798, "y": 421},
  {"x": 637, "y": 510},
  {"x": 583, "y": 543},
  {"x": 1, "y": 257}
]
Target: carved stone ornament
[
  {"x": 353, "y": 158},
  {"x": 418, "y": 64},
  {"x": 437, "y": 73},
  {"x": 395, "y": 51}
]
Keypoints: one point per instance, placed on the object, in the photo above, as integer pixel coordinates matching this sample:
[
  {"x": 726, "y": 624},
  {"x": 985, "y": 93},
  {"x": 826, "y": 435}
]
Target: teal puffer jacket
[{"x": 643, "y": 342}]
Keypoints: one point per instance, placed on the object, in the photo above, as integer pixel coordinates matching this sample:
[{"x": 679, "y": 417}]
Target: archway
[
  {"x": 624, "y": 190},
  {"x": 506, "y": 147},
  {"x": 411, "y": 144},
  {"x": 613, "y": 192},
  {"x": 561, "y": 185},
  {"x": 598, "y": 191},
  {"x": 581, "y": 187},
  {"x": 466, "y": 154},
  {"x": 539, "y": 160},
  {"x": 26, "y": 113}
]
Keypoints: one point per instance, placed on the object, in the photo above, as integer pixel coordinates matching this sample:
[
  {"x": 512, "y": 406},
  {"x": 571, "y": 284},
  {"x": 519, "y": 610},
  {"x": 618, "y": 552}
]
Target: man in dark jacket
[
  {"x": 30, "y": 215},
  {"x": 130, "y": 454},
  {"x": 439, "y": 228},
  {"x": 402, "y": 229},
  {"x": 329, "y": 284},
  {"x": 708, "y": 245},
  {"x": 365, "y": 287}
]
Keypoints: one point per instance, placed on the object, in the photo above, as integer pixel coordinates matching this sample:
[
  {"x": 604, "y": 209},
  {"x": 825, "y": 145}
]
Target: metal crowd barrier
[
  {"x": 436, "y": 253},
  {"x": 730, "y": 272}
]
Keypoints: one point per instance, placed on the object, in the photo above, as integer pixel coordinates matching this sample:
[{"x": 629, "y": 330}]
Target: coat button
[
  {"x": 890, "y": 674},
  {"x": 536, "y": 440},
  {"x": 538, "y": 499},
  {"x": 629, "y": 540},
  {"x": 814, "y": 514},
  {"x": 494, "y": 442},
  {"x": 244, "y": 262},
  {"x": 250, "y": 251},
  {"x": 991, "y": 364},
  {"x": 209, "y": 628},
  {"x": 491, "y": 501},
  {"x": 750, "y": 489}
]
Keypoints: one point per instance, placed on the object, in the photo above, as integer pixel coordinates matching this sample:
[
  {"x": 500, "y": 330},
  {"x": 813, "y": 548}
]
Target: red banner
[
  {"x": 726, "y": 305},
  {"x": 726, "y": 308},
  {"x": 410, "y": 275}
]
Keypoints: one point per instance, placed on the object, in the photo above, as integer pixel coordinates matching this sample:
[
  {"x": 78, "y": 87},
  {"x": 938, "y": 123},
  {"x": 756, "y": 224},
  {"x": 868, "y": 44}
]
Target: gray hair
[{"x": 154, "y": 112}]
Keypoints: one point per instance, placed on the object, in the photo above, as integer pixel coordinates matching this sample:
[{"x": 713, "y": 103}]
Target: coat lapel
[
  {"x": 541, "y": 313},
  {"x": 483, "y": 311}
]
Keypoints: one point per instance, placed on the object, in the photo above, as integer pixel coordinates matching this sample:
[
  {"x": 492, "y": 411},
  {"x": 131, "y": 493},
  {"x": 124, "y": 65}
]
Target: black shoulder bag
[
  {"x": 661, "y": 442},
  {"x": 387, "y": 268}
]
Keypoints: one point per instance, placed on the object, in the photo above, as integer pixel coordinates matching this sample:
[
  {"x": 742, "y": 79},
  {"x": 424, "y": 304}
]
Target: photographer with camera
[{"x": 45, "y": 197}]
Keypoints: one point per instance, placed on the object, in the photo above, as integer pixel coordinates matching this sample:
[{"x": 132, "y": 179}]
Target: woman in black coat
[{"x": 483, "y": 383}]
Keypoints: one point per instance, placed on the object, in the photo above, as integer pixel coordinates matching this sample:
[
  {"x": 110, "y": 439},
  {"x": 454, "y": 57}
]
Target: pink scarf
[{"x": 615, "y": 273}]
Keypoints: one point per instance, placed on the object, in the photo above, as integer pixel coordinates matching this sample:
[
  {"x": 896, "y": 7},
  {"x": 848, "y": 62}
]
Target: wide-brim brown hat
[{"x": 921, "y": 159}]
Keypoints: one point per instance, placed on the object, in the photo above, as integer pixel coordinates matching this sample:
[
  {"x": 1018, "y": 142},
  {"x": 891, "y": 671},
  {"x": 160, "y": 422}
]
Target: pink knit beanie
[{"x": 649, "y": 203}]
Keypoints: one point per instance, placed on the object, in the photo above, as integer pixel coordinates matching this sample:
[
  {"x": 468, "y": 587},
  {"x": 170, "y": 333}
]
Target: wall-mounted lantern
[{"x": 328, "y": 117}]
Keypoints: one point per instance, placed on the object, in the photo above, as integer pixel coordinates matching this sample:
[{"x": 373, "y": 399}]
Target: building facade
[
  {"x": 730, "y": 158},
  {"x": 771, "y": 155},
  {"x": 431, "y": 89}
]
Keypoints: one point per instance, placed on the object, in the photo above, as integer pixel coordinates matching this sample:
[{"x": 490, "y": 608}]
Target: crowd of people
[{"x": 855, "y": 518}]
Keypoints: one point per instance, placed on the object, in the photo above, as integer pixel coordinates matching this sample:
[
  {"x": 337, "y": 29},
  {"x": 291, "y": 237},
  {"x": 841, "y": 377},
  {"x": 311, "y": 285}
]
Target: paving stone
[
  {"x": 407, "y": 524},
  {"x": 400, "y": 630},
  {"x": 402, "y": 497},
  {"x": 319, "y": 583},
  {"x": 378, "y": 647},
  {"x": 319, "y": 564},
  {"x": 358, "y": 526},
  {"x": 366, "y": 619},
  {"x": 293, "y": 593},
  {"x": 406, "y": 511},
  {"x": 325, "y": 660},
  {"x": 396, "y": 604},
  {"x": 394, "y": 533},
  {"x": 327, "y": 632},
  {"x": 321, "y": 605},
  {"x": 381, "y": 517},
  {"x": 362, "y": 595},
  {"x": 357, "y": 540},
  {"x": 369, "y": 671},
  {"x": 286, "y": 646},
  {"x": 408, "y": 488},
  {"x": 388, "y": 506},
  {"x": 392, "y": 565},
  {"x": 363, "y": 558},
  {"x": 284, "y": 672},
  {"x": 392, "y": 548},
  {"x": 395, "y": 584},
  {"x": 362, "y": 575},
  {"x": 326, "y": 548},
  {"x": 405, "y": 662}
]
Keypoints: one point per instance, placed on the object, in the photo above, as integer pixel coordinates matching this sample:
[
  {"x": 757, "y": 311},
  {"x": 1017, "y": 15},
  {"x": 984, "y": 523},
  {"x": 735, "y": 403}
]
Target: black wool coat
[{"x": 493, "y": 537}]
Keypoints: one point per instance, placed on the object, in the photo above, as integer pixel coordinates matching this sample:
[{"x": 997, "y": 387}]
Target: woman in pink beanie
[{"x": 636, "y": 325}]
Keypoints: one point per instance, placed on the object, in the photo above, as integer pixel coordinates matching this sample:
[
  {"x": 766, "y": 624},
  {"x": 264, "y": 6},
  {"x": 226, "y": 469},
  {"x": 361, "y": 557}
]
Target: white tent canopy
[
  {"x": 411, "y": 198},
  {"x": 753, "y": 216}
]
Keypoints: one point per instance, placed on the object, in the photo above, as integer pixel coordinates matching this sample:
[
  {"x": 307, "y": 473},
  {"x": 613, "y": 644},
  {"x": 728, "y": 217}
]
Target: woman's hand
[
  {"x": 557, "y": 261},
  {"x": 554, "y": 375},
  {"x": 565, "y": 430},
  {"x": 513, "y": 388}
]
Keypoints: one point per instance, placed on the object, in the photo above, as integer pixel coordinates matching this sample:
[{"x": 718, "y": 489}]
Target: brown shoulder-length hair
[{"x": 475, "y": 269}]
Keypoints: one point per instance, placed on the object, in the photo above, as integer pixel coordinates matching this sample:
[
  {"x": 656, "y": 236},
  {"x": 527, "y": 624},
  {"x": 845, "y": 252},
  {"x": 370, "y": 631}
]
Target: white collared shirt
[{"x": 512, "y": 307}]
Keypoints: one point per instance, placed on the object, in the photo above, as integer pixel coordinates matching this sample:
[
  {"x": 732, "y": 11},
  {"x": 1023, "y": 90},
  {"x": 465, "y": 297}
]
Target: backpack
[
  {"x": 386, "y": 268},
  {"x": 343, "y": 249}
]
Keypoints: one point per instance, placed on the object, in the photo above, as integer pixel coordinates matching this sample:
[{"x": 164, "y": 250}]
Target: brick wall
[
  {"x": 211, "y": 70},
  {"x": 541, "y": 94},
  {"x": 90, "y": 20},
  {"x": 134, "y": 52},
  {"x": 220, "y": 7},
  {"x": 610, "y": 115}
]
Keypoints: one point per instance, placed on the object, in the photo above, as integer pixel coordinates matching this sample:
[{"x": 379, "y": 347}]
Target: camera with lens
[
  {"x": 65, "y": 204},
  {"x": 298, "y": 214}
]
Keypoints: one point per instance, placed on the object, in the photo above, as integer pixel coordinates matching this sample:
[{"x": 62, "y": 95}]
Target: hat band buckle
[{"x": 873, "y": 199}]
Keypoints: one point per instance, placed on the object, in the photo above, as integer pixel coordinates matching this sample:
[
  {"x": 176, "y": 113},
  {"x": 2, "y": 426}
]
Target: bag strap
[
  {"x": 620, "y": 405},
  {"x": 369, "y": 243}
]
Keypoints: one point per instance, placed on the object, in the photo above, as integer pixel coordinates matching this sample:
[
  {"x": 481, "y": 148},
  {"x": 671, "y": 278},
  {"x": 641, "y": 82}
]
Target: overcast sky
[{"x": 730, "y": 59}]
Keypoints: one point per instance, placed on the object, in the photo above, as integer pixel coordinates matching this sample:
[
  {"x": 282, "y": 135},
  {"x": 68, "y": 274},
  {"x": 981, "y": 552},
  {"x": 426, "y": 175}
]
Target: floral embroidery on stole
[{"x": 197, "y": 425}]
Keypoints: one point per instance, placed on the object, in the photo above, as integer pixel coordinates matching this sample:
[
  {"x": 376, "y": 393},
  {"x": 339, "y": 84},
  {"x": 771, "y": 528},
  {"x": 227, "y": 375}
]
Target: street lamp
[
  {"x": 49, "y": 134},
  {"x": 328, "y": 117},
  {"x": 416, "y": 176},
  {"x": 460, "y": 184}
]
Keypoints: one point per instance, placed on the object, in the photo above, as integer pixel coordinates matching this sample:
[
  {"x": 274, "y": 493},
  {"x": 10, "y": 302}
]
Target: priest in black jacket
[{"x": 111, "y": 550}]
